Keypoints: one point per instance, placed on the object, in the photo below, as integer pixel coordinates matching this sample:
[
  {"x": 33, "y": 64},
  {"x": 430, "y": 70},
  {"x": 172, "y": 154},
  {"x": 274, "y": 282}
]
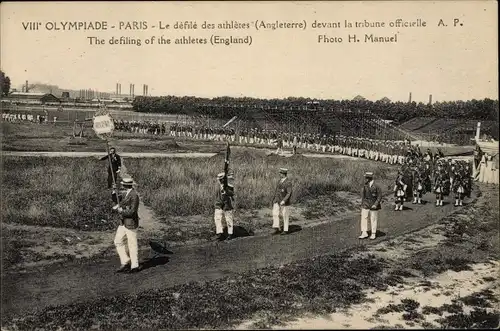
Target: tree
[{"x": 4, "y": 84}]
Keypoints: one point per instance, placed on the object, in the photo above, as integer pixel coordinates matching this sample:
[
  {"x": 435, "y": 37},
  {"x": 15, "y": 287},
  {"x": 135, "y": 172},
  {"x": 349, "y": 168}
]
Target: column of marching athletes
[{"x": 418, "y": 174}]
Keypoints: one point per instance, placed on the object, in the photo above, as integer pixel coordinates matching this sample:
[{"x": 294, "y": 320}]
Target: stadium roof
[
  {"x": 32, "y": 96},
  {"x": 27, "y": 94}
]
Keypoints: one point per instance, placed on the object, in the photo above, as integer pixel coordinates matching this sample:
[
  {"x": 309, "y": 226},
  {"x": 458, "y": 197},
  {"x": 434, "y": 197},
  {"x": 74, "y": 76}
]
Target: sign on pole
[{"x": 103, "y": 125}]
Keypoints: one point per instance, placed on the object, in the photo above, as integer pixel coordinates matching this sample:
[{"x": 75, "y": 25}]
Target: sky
[{"x": 451, "y": 63}]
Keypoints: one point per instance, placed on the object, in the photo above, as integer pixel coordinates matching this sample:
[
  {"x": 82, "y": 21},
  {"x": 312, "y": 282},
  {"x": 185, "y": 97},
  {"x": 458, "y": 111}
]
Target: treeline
[{"x": 227, "y": 107}]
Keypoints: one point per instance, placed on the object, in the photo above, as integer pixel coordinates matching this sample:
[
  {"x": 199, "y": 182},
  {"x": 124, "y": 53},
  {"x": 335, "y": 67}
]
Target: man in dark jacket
[
  {"x": 114, "y": 168},
  {"x": 371, "y": 196},
  {"x": 224, "y": 207},
  {"x": 281, "y": 202},
  {"x": 128, "y": 209}
]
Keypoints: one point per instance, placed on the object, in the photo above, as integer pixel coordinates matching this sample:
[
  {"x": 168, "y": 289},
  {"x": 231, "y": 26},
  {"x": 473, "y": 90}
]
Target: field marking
[{"x": 91, "y": 154}]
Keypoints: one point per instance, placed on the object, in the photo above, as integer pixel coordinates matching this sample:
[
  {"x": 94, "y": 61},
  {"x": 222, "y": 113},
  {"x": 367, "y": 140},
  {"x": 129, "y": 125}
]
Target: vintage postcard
[{"x": 249, "y": 165}]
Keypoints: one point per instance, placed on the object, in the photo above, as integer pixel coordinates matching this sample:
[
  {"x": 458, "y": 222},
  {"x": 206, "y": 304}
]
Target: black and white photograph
[{"x": 239, "y": 165}]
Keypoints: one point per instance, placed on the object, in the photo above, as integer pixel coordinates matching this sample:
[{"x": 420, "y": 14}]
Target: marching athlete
[
  {"x": 224, "y": 207},
  {"x": 128, "y": 209},
  {"x": 371, "y": 196},
  {"x": 281, "y": 202}
]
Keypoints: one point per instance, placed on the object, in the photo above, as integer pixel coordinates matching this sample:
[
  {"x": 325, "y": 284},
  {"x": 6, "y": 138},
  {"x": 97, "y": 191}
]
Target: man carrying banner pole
[{"x": 224, "y": 201}]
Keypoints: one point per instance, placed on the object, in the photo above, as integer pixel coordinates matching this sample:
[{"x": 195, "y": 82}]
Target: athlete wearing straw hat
[
  {"x": 281, "y": 202},
  {"x": 371, "y": 196},
  {"x": 128, "y": 209},
  {"x": 224, "y": 206}
]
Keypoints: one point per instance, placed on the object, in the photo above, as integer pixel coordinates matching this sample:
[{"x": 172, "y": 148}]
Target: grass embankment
[{"x": 320, "y": 285}]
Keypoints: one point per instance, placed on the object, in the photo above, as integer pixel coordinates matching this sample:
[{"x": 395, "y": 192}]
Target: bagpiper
[
  {"x": 418, "y": 186},
  {"x": 440, "y": 186},
  {"x": 399, "y": 191},
  {"x": 459, "y": 188}
]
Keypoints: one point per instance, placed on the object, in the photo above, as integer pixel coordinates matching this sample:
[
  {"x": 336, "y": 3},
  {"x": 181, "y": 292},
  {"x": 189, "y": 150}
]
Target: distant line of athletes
[
  {"x": 392, "y": 152},
  {"x": 19, "y": 117},
  {"x": 388, "y": 151},
  {"x": 417, "y": 175}
]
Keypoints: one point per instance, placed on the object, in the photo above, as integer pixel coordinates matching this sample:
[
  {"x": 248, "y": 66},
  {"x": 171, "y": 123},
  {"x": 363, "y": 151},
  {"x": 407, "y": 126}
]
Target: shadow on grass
[
  {"x": 294, "y": 228},
  {"x": 238, "y": 232},
  {"x": 154, "y": 262},
  {"x": 379, "y": 234}
]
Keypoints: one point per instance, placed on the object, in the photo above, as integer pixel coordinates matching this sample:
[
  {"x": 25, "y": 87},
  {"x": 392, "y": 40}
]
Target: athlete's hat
[
  {"x": 283, "y": 171},
  {"x": 127, "y": 182}
]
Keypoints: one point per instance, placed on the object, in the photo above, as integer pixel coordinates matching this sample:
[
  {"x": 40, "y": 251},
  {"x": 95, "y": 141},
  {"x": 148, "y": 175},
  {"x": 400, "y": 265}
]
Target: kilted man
[
  {"x": 114, "y": 168},
  {"x": 224, "y": 207},
  {"x": 281, "y": 202},
  {"x": 458, "y": 186},
  {"x": 399, "y": 191},
  {"x": 418, "y": 185},
  {"x": 439, "y": 187},
  {"x": 371, "y": 196},
  {"x": 128, "y": 209}
]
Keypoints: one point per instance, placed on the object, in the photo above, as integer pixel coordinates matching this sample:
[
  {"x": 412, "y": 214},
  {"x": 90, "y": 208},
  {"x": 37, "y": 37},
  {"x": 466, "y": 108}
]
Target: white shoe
[
  {"x": 396, "y": 208},
  {"x": 460, "y": 203},
  {"x": 441, "y": 202},
  {"x": 363, "y": 235},
  {"x": 419, "y": 201},
  {"x": 401, "y": 207},
  {"x": 372, "y": 236},
  {"x": 437, "y": 202}
]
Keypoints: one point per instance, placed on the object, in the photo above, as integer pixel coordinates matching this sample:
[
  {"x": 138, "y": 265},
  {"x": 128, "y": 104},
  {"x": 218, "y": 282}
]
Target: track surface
[{"x": 88, "y": 280}]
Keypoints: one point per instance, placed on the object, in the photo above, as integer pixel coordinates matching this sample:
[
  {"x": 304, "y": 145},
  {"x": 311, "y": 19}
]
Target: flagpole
[{"x": 112, "y": 172}]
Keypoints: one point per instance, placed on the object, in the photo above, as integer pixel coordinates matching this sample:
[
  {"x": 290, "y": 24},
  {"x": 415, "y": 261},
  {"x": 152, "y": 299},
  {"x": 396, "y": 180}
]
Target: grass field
[
  {"x": 186, "y": 187},
  {"x": 34, "y": 188},
  {"x": 59, "y": 192}
]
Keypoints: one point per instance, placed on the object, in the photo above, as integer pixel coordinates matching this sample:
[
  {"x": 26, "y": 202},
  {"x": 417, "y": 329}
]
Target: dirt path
[
  {"x": 88, "y": 279},
  {"x": 100, "y": 154}
]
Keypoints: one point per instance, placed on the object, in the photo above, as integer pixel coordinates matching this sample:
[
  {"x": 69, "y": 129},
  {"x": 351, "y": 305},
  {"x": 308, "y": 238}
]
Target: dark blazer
[
  {"x": 130, "y": 205},
  {"x": 116, "y": 162},
  {"x": 371, "y": 196},
  {"x": 283, "y": 192}
]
